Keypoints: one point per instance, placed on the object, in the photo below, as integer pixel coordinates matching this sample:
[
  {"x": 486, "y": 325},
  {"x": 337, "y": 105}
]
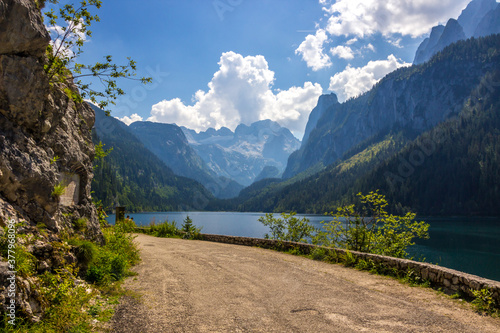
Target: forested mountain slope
[
  {"x": 134, "y": 177},
  {"x": 448, "y": 169},
  {"x": 417, "y": 98}
]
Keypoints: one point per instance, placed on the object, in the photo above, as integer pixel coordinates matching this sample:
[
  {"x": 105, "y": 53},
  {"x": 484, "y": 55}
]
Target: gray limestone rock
[{"x": 22, "y": 28}]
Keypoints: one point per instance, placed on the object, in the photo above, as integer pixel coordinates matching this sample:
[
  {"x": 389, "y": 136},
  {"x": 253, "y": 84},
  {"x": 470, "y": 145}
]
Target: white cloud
[
  {"x": 343, "y": 52},
  {"x": 354, "y": 81},
  {"x": 129, "y": 120},
  {"x": 365, "y": 17},
  {"x": 240, "y": 92},
  {"x": 312, "y": 52},
  {"x": 369, "y": 47},
  {"x": 351, "y": 41}
]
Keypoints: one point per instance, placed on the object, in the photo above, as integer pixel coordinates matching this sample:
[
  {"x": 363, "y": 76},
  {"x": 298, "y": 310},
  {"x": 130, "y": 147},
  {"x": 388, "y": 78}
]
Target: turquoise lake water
[{"x": 470, "y": 245}]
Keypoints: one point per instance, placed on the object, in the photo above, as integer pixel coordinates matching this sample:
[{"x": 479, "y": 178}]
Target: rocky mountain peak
[
  {"x": 478, "y": 19},
  {"x": 324, "y": 102},
  {"x": 474, "y": 13}
]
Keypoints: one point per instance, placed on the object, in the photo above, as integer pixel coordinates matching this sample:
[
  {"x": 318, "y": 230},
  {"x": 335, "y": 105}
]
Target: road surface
[{"x": 197, "y": 286}]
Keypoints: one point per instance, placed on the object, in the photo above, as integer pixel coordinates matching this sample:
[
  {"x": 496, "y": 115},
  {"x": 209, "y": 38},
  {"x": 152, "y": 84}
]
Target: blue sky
[{"x": 224, "y": 62}]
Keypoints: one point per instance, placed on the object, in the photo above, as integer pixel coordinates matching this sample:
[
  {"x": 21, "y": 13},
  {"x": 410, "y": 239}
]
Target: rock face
[
  {"x": 415, "y": 98},
  {"x": 424, "y": 51},
  {"x": 22, "y": 29},
  {"x": 45, "y": 140},
  {"x": 440, "y": 38},
  {"x": 490, "y": 24},
  {"x": 474, "y": 13},
  {"x": 324, "y": 103},
  {"x": 44, "y": 135},
  {"x": 480, "y": 18}
]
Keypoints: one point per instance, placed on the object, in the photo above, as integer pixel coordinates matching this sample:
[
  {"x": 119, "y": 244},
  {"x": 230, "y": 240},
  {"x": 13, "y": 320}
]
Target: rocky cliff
[
  {"x": 415, "y": 98},
  {"x": 46, "y": 151},
  {"x": 479, "y": 19}
]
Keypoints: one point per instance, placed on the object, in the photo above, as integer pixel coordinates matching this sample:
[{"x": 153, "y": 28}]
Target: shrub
[
  {"x": 86, "y": 252},
  {"x": 288, "y": 228},
  {"x": 369, "y": 228},
  {"x": 484, "y": 302},
  {"x": 126, "y": 225},
  {"x": 80, "y": 224},
  {"x": 166, "y": 229},
  {"x": 318, "y": 253},
  {"x": 348, "y": 259}
]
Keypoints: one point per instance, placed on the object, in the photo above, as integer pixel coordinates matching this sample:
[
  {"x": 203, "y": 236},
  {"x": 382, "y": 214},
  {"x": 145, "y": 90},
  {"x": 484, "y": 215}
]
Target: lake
[{"x": 470, "y": 245}]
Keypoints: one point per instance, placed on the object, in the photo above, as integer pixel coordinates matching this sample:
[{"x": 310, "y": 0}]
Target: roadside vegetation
[
  {"x": 364, "y": 227},
  {"x": 170, "y": 229},
  {"x": 79, "y": 297},
  {"x": 367, "y": 227}
]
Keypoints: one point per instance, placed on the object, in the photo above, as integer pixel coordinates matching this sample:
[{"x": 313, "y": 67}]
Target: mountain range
[
  {"x": 427, "y": 136},
  {"x": 480, "y": 18},
  {"x": 221, "y": 161},
  {"x": 243, "y": 154},
  {"x": 132, "y": 176}
]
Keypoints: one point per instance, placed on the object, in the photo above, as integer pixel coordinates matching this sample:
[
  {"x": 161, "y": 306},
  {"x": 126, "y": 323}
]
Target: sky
[{"x": 220, "y": 63}]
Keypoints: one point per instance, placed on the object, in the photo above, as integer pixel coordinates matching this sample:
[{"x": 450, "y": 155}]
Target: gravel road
[{"x": 196, "y": 286}]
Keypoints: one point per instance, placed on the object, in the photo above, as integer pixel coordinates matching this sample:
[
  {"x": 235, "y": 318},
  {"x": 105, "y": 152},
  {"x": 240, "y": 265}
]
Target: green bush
[
  {"x": 348, "y": 259},
  {"x": 86, "y": 253},
  {"x": 80, "y": 224},
  {"x": 165, "y": 229},
  {"x": 288, "y": 228},
  {"x": 369, "y": 228},
  {"x": 318, "y": 253},
  {"x": 126, "y": 225},
  {"x": 484, "y": 302}
]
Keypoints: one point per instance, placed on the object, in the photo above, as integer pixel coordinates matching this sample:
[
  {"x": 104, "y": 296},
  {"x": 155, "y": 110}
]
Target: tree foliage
[
  {"x": 190, "y": 230},
  {"x": 288, "y": 228},
  {"x": 69, "y": 29},
  {"x": 369, "y": 228}
]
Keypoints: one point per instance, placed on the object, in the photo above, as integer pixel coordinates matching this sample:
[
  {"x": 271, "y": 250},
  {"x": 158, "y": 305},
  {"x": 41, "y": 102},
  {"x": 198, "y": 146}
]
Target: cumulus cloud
[
  {"x": 241, "y": 92},
  {"x": 365, "y": 17},
  {"x": 129, "y": 120},
  {"x": 354, "y": 81},
  {"x": 343, "y": 52},
  {"x": 369, "y": 47},
  {"x": 351, "y": 41},
  {"x": 311, "y": 50}
]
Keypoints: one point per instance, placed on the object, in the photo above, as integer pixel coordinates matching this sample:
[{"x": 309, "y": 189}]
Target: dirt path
[{"x": 196, "y": 286}]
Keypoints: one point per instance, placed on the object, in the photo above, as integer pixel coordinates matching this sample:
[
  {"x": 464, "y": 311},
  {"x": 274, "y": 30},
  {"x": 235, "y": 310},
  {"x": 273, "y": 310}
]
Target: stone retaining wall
[{"x": 450, "y": 280}]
